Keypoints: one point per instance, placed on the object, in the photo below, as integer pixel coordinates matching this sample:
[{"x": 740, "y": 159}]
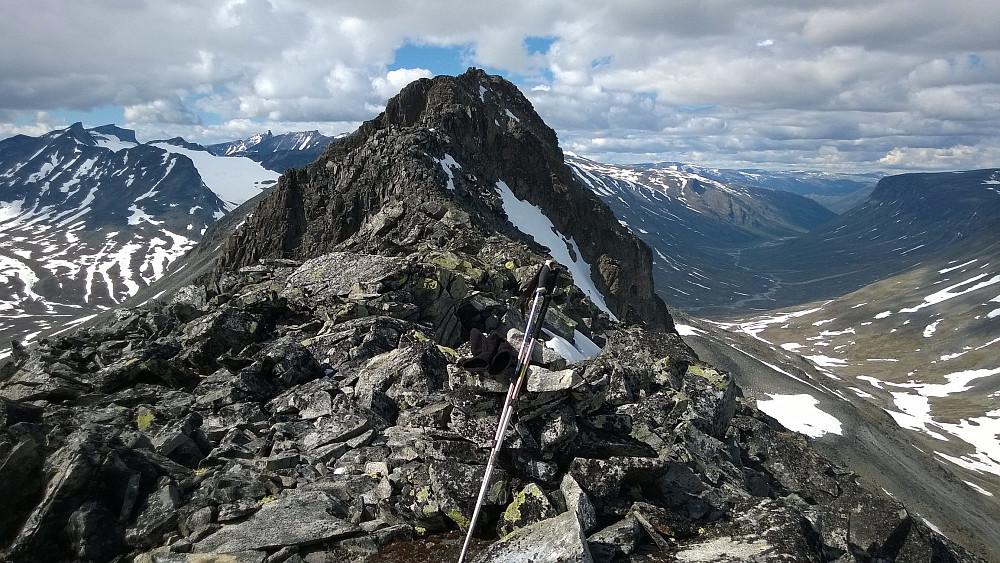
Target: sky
[{"x": 836, "y": 85}]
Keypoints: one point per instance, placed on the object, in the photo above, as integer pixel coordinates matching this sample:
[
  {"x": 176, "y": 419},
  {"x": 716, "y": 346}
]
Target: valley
[{"x": 875, "y": 332}]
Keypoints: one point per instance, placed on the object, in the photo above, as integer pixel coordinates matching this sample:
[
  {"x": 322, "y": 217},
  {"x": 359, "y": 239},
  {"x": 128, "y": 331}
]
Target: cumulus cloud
[
  {"x": 171, "y": 110},
  {"x": 395, "y": 80},
  {"x": 763, "y": 83}
]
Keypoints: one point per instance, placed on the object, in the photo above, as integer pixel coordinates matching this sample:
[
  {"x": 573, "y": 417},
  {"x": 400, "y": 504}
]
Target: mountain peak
[
  {"x": 467, "y": 146},
  {"x": 77, "y": 134},
  {"x": 112, "y": 130}
]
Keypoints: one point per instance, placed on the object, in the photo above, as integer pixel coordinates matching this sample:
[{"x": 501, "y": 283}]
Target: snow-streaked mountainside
[
  {"x": 277, "y": 152},
  {"x": 723, "y": 249},
  {"x": 838, "y": 192},
  {"x": 903, "y": 374},
  {"x": 923, "y": 346},
  {"x": 909, "y": 220},
  {"x": 697, "y": 226},
  {"x": 88, "y": 216}
]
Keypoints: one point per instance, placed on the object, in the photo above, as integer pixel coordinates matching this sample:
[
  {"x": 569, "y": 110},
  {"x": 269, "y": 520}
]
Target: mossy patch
[
  {"x": 423, "y": 494},
  {"x": 716, "y": 379},
  {"x": 449, "y": 353},
  {"x": 513, "y": 512},
  {"x": 458, "y": 518},
  {"x": 144, "y": 419}
]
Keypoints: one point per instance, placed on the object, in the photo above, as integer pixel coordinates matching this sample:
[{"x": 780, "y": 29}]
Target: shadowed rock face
[{"x": 441, "y": 146}]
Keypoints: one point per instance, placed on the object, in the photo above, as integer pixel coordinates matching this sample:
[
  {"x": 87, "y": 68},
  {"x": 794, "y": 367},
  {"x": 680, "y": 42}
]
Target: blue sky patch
[
  {"x": 439, "y": 60},
  {"x": 538, "y": 45}
]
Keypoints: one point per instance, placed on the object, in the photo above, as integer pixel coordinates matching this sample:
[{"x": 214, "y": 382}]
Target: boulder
[
  {"x": 529, "y": 505},
  {"x": 295, "y": 518},
  {"x": 559, "y": 539},
  {"x": 21, "y": 482},
  {"x": 578, "y": 502}
]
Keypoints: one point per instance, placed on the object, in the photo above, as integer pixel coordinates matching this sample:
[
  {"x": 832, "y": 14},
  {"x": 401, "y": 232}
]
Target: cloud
[
  {"x": 945, "y": 158},
  {"x": 769, "y": 82},
  {"x": 170, "y": 110},
  {"x": 395, "y": 80}
]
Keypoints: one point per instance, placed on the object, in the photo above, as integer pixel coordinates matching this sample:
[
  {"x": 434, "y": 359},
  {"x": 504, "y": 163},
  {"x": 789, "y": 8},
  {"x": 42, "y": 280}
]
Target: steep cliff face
[{"x": 450, "y": 145}]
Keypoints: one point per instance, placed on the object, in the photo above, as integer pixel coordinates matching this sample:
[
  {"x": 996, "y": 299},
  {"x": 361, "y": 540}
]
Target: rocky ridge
[
  {"x": 304, "y": 416},
  {"x": 379, "y": 190},
  {"x": 307, "y": 403}
]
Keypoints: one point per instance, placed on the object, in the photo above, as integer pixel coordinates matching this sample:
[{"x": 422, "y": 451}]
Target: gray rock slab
[
  {"x": 541, "y": 380},
  {"x": 555, "y": 540},
  {"x": 297, "y": 518},
  {"x": 340, "y": 273},
  {"x": 577, "y": 501}
]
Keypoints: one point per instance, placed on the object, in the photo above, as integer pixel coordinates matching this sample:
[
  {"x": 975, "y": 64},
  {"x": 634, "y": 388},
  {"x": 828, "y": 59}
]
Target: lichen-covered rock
[
  {"x": 295, "y": 518},
  {"x": 554, "y": 540},
  {"x": 712, "y": 396},
  {"x": 529, "y": 505}
]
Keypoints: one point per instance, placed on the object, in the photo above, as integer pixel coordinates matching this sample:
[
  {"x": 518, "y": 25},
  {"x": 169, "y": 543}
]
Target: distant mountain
[
  {"x": 909, "y": 219},
  {"x": 277, "y": 152},
  {"x": 697, "y": 226},
  {"x": 838, "y": 192},
  {"x": 89, "y": 216}
]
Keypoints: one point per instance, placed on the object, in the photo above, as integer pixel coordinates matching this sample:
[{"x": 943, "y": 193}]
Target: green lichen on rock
[
  {"x": 528, "y": 506},
  {"x": 513, "y": 512},
  {"x": 458, "y": 518},
  {"x": 717, "y": 380},
  {"x": 144, "y": 419},
  {"x": 449, "y": 353}
]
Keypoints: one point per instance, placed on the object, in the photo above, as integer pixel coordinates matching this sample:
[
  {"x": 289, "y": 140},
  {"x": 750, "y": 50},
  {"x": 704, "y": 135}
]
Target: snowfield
[{"x": 530, "y": 220}]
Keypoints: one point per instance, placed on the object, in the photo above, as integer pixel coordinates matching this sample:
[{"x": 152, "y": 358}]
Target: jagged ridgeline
[
  {"x": 305, "y": 403},
  {"x": 453, "y": 146}
]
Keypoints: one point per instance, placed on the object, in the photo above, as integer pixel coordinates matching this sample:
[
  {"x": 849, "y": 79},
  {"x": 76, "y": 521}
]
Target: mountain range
[
  {"x": 298, "y": 315},
  {"x": 276, "y": 152},
  {"x": 89, "y": 216}
]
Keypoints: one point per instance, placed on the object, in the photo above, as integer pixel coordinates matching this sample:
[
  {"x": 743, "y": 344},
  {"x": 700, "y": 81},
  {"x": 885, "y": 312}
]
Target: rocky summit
[{"x": 305, "y": 400}]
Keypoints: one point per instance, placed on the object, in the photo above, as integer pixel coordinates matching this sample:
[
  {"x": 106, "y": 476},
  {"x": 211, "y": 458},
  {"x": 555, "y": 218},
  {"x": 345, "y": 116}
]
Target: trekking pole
[{"x": 543, "y": 292}]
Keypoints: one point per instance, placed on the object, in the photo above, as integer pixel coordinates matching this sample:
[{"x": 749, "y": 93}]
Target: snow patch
[
  {"x": 687, "y": 330},
  {"x": 946, "y": 270},
  {"x": 929, "y": 329},
  {"x": 799, "y": 413},
  {"x": 448, "y": 164},
  {"x": 952, "y": 291},
  {"x": 978, "y": 489},
  {"x": 234, "y": 179},
  {"x": 530, "y": 220},
  {"x": 139, "y": 215},
  {"x": 826, "y": 361},
  {"x": 582, "y": 348}
]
